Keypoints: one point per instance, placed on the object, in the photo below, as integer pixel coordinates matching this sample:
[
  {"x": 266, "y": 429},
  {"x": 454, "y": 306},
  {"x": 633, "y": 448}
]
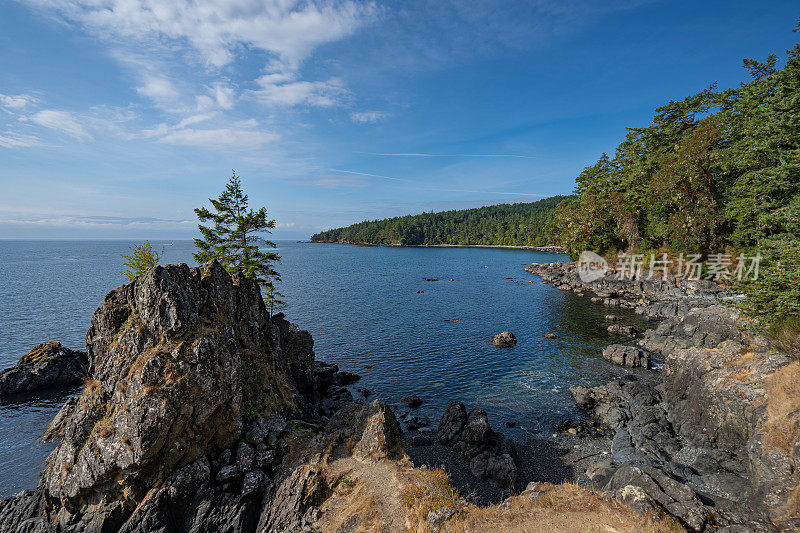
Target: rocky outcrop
[
  {"x": 630, "y": 356},
  {"x": 46, "y": 366},
  {"x": 185, "y": 364},
  {"x": 720, "y": 429},
  {"x": 714, "y": 438},
  {"x": 653, "y": 298},
  {"x": 491, "y": 456},
  {"x": 505, "y": 339}
]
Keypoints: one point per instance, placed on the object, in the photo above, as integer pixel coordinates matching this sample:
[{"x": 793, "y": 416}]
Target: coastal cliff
[{"x": 713, "y": 439}]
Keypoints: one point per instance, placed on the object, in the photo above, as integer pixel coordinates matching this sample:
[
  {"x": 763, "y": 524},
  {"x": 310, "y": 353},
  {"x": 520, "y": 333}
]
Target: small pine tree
[
  {"x": 235, "y": 239},
  {"x": 141, "y": 258}
]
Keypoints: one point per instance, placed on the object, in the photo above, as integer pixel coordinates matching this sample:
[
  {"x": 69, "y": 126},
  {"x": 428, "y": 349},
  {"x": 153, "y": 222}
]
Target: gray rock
[
  {"x": 244, "y": 457},
  {"x": 253, "y": 482},
  {"x": 47, "y": 365},
  {"x": 626, "y": 356},
  {"x": 437, "y": 518},
  {"x": 227, "y": 473},
  {"x": 490, "y": 455}
]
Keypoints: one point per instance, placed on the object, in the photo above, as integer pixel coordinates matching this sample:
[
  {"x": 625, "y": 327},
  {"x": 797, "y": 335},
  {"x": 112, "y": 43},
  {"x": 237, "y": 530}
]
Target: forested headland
[
  {"x": 715, "y": 172},
  {"x": 520, "y": 224}
]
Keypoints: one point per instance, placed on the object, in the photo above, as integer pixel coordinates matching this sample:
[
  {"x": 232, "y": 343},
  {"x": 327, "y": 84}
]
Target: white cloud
[
  {"x": 215, "y": 32},
  {"x": 282, "y": 89},
  {"x": 366, "y": 117},
  {"x": 224, "y": 95},
  {"x": 62, "y": 121},
  {"x": 159, "y": 90},
  {"x": 16, "y": 102},
  {"x": 15, "y": 140},
  {"x": 242, "y": 135}
]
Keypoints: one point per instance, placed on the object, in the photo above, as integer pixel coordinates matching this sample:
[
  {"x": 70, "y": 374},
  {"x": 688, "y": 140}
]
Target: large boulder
[
  {"x": 490, "y": 455},
  {"x": 46, "y": 366},
  {"x": 630, "y": 356},
  {"x": 505, "y": 339},
  {"x": 179, "y": 360}
]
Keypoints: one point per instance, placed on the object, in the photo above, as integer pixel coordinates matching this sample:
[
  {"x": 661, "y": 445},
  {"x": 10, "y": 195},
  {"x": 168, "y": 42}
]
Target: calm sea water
[{"x": 362, "y": 307}]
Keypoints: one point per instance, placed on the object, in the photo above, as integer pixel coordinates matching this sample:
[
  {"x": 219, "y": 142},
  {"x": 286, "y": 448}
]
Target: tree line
[{"x": 519, "y": 224}]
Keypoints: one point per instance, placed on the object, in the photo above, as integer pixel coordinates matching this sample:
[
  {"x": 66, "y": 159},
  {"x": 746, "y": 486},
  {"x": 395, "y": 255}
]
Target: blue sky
[{"x": 118, "y": 117}]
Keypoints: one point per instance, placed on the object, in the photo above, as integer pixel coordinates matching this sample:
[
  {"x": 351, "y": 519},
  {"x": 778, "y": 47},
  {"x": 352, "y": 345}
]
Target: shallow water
[{"x": 362, "y": 307}]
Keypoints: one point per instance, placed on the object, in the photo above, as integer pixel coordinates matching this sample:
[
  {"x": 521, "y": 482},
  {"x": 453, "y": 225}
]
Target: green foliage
[
  {"x": 250, "y": 414},
  {"x": 235, "y": 239},
  {"x": 521, "y": 224},
  {"x": 141, "y": 258},
  {"x": 776, "y": 293},
  {"x": 716, "y": 171}
]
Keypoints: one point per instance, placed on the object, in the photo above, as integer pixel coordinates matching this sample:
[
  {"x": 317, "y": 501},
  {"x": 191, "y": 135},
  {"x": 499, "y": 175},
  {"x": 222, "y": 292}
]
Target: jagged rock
[
  {"x": 244, "y": 457},
  {"x": 175, "y": 359},
  {"x": 505, "y": 339},
  {"x": 490, "y": 455},
  {"x": 437, "y": 518},
  {"x": 227, "y": 473},
  {"x": 626, "y": 356},
  {"x": 416, "y": 422},
  {"x": 253, "y": 482},
  {"x": 550, "y": 336},
  {"x": 46, "y": 366},
  {"x": 56, "y": 428}
]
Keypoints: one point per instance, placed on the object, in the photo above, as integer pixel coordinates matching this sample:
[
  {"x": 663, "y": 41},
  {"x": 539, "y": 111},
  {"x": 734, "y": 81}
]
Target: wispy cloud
[
  {"x": 61, "y": 121},
  {"x": 284, "y": 90},
  {"x": 238, "y": 136},
  {"x": 158, "y": 37},
  {"x": 16, "y": 102},
  {"x": 366, "y": 117},
  {"x": 16, "y": 140}
]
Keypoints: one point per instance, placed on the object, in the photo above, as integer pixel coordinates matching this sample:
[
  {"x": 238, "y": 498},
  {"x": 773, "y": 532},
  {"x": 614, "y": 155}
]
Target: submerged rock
[
  {"x": 505, "y": 339},
  {"x": 46, "y": 366},
  {"x": 412, "y": 401}
]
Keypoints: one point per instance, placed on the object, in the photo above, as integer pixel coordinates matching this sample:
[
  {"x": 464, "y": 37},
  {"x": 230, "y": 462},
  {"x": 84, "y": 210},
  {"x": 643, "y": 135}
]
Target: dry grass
[
  {"x": 783, "y": 406},
  {"x": 430, "y": 489},
  {"x": 564, "y": 507}
]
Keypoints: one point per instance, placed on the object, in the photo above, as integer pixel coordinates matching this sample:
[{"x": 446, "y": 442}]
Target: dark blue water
[{"x": 362, "y": 307}]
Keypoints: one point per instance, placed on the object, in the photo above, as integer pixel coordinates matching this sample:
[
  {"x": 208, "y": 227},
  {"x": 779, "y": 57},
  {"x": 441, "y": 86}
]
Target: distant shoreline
[{"x": 546, "y": 249}]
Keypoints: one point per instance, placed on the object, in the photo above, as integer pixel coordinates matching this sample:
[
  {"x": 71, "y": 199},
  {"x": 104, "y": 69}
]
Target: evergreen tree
[
  {"x": 235, "y": 239},
  {"x": 141, "y": 258}
]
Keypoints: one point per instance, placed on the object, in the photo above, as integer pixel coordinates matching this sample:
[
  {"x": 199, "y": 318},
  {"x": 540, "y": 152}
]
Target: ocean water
[{"x": 362, "y": 307}]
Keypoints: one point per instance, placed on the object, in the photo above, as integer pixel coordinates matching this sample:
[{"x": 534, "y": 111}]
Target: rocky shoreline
[{"x": 706, "y": 439}]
